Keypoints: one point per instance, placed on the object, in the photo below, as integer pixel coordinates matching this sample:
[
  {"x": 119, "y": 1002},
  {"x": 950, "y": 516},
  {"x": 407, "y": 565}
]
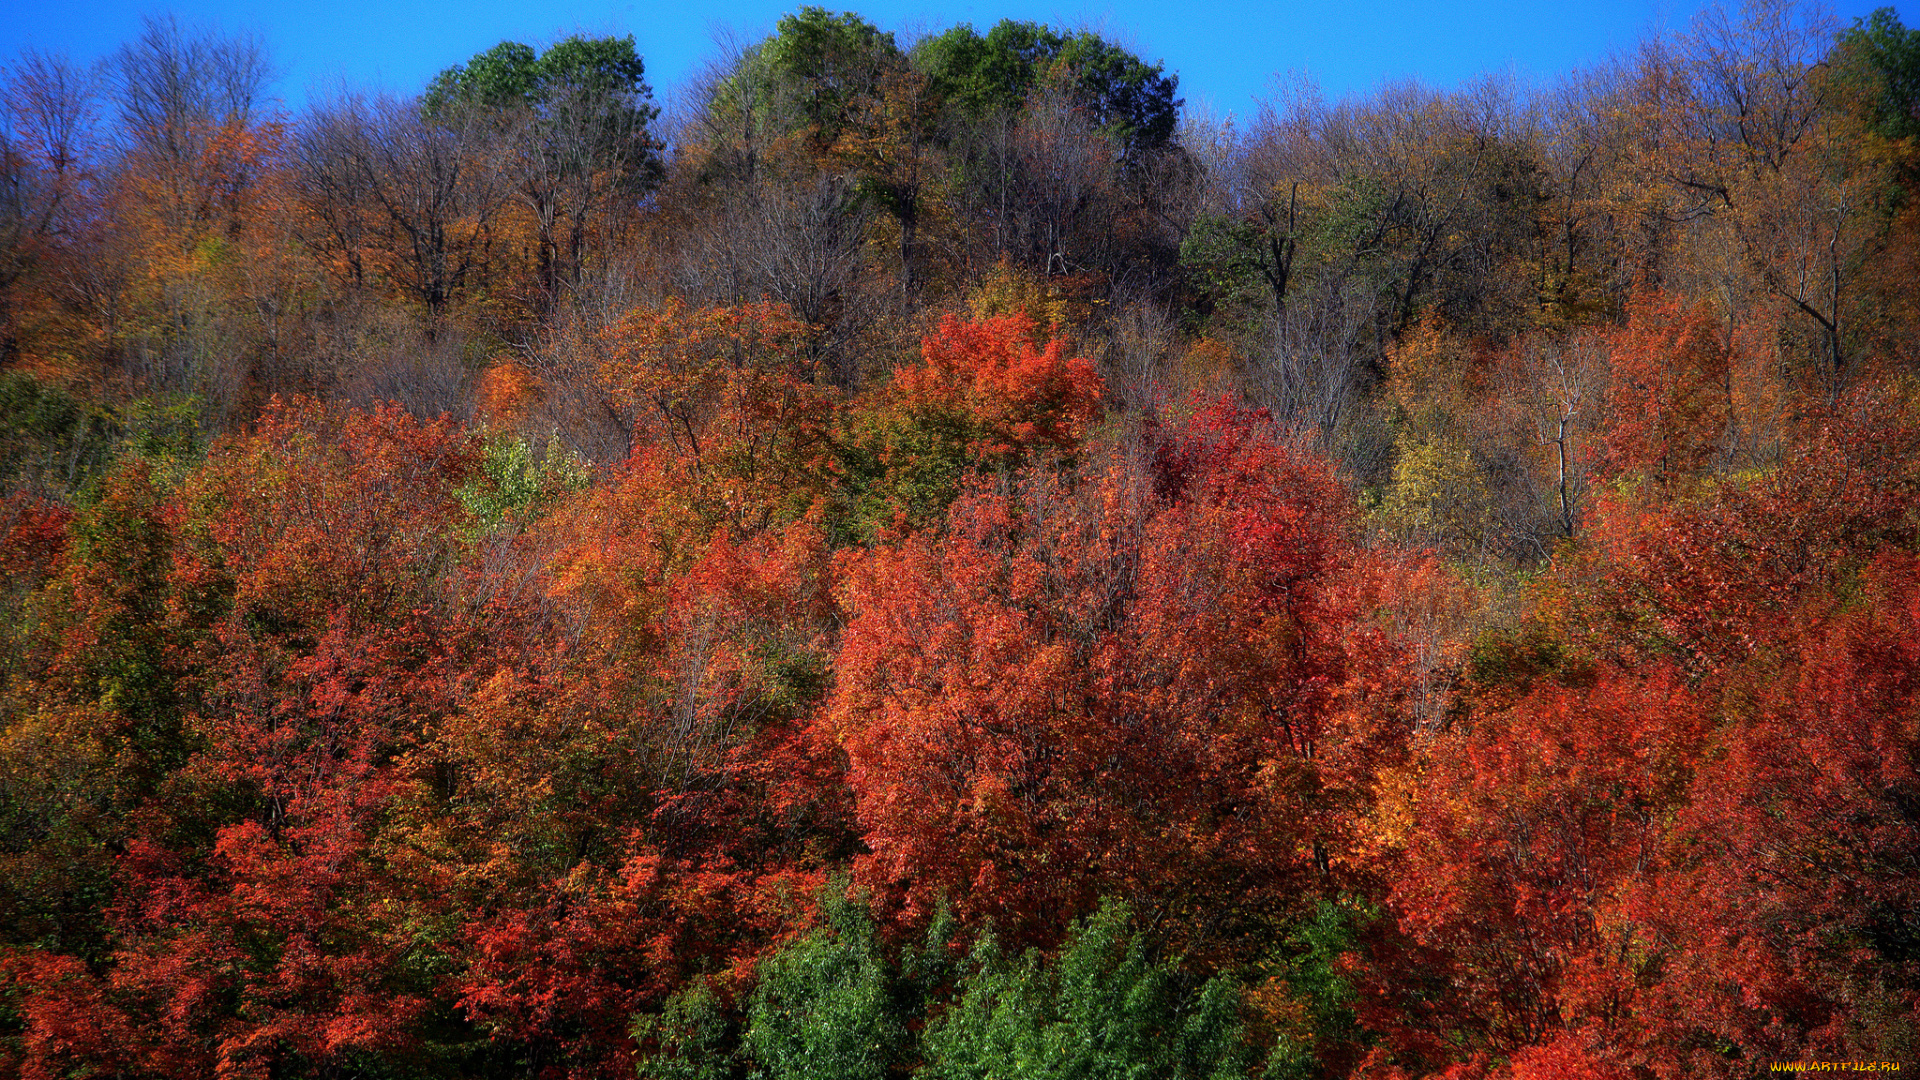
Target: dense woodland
[{"x": 930, "y": 559}]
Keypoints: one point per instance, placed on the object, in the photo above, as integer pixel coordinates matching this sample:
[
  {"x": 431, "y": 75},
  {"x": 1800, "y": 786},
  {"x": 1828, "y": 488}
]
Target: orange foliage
[
  {"x": 1530, "y": 826},
  {"x": 507, "y": 390},
  {"x": 724, "y": 400},
  {"x": 1012, "y": 392}
]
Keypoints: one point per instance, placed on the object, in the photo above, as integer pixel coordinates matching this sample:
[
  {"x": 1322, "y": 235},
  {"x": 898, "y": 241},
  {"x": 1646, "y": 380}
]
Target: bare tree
[
  {"x": 330, "y": 158},
  {"x": 46, "y": 113},
  {"x": 414, "y": 198},
  {"x": 574, "y": 158},
  {"x": 575, "y": 131},
  {"x": 1063, "y": 175},
  {"x": 1557, "y": 387},
  {"x": 183, "y": 99},
  {"x": 1601, "y": 224},
  {"x": 1756, "y": 152}
]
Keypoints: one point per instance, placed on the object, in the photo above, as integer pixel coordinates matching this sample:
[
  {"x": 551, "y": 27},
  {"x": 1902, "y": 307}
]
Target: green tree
[
  {"x": 1127, "y": 98},
  {"x": 821, "y": 72},
  {"x": 1105, "y": 1009},
  {"x": 689, "y": 1039},
  {"x": 1883, "y": 56},
  {"x": 829, "y": 1006},
  {"x": 503, "y": 76},
  {"x": 512, "y": 74}
]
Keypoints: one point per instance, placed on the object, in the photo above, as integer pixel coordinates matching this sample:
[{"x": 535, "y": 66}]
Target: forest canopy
[{"x": 930, "y": 559}]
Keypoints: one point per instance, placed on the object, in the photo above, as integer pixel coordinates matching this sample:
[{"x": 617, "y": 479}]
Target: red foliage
[
  {"x": 1714, "y": 581},
  {"x": 1788, "y": 917},
  {"x": 648, "y": 803},
  {"x": 1670, "y": 406},
  {"x": 1691, "y": 848},
  {"x": 313, "y": 554},
  {"x": 1084, "y": 687},
  {"x": 33, "y": 537},
  {"x": 1532, "y": 825}
]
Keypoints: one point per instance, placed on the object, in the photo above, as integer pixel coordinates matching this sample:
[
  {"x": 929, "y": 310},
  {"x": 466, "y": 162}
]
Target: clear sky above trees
[{"x": 1224, "y": 53}]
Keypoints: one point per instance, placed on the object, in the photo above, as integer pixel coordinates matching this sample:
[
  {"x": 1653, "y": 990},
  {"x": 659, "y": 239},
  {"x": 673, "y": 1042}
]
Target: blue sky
[{"x": 1224, "y": 53}]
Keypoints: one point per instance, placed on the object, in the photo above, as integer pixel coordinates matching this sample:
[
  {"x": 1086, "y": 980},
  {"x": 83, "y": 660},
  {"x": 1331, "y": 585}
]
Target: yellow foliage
[
  {"x": 1438, "y": 495},
  {"x": 1279, "y": 1016},
  {"x": 1206, "y": 368},
  {"x": 1008, "y": 290},
  {"x": 1429, "y": 371}
]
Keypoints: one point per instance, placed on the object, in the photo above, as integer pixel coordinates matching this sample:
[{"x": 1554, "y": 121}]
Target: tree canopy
[{"x": 983, "y": 75}]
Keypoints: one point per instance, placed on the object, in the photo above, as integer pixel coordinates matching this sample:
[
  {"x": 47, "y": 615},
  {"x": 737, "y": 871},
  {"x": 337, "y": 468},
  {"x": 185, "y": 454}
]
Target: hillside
[{"x": 936, "y": 562}]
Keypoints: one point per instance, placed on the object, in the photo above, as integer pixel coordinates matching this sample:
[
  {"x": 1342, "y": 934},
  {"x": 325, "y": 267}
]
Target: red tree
[{"x": 1140, "y": 679}]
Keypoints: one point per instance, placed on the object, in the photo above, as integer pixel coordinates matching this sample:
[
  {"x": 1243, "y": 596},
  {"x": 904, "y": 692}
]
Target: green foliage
[
  {"x": 49, "y": 438},
  {"x": 513, "y": 75},
  {"x": 57, "y": 444},
  {"x": 122, "y": 548},
  {"x": 503, "y": 76},
  {"x": 517, "y": 482},
  {"x": 1884, "y": 55},
  {"x": 162, "y": 432},
  {"x": 1438, "y": 495},
  {"x": 1310, "y": 967},
  {"x": 1354, "y": 221},
  {"x": 1232, "y": 266},
  {"x": 600, "y": 65},
  {"x": 588, "y": 98},
  {"x": 819, "y": 71},
  {"x": 1103, "y": 1010},
  {"x": 690, "y": 1039},
  {"x": 902, "y": 470},
  {"x": 827, "y": 1007},
  {"x": 987, "y": 396},
  {"x": 830, "y": 53},
  {"x": 1224, "y": 256},
  {"x": 979, "y": 76},
  {"x": 1130, "y": 99},
  {"x": 1509, "y": 662},
  {"x": 796, "y": 677}
]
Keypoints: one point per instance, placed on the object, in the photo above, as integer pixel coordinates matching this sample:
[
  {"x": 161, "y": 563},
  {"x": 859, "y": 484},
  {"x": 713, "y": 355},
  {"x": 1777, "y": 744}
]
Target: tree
[
  {"x": 986, "y": 396},
  {"x": 1150, "y": 673},
  {"x": 1557, "y": 388},
  {"x": 1102, "y": 1009},
  {"x": 728, "y": 399},
  {"x": 1125, "y": 98},
  {"x": 1877, "y": 64},
  {"x": 1532, "y": 825},
  {"x": 1767, "y": 169},
  {"x": 830, "y": 95},
  {"x": 578, "y": 119},
  {"x": 46, "y": 112},
  {"x": 1671, "y": 401},
  {"x": 268, "y": 649},
  {"x": 185, "y": 102},
  {"x": 1716, "y": 581},
  {"x": 824, "y": 71},
  {"x": 1787, "y": 912},
  {"x": 827, "y": 1006},
  {"x": 411, "y": 200},
  {"x": 1890, "y": 54}
]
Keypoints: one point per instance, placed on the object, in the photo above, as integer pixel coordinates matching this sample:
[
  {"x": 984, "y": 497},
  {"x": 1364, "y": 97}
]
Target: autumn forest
[{"x": 930, "y": 558}]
